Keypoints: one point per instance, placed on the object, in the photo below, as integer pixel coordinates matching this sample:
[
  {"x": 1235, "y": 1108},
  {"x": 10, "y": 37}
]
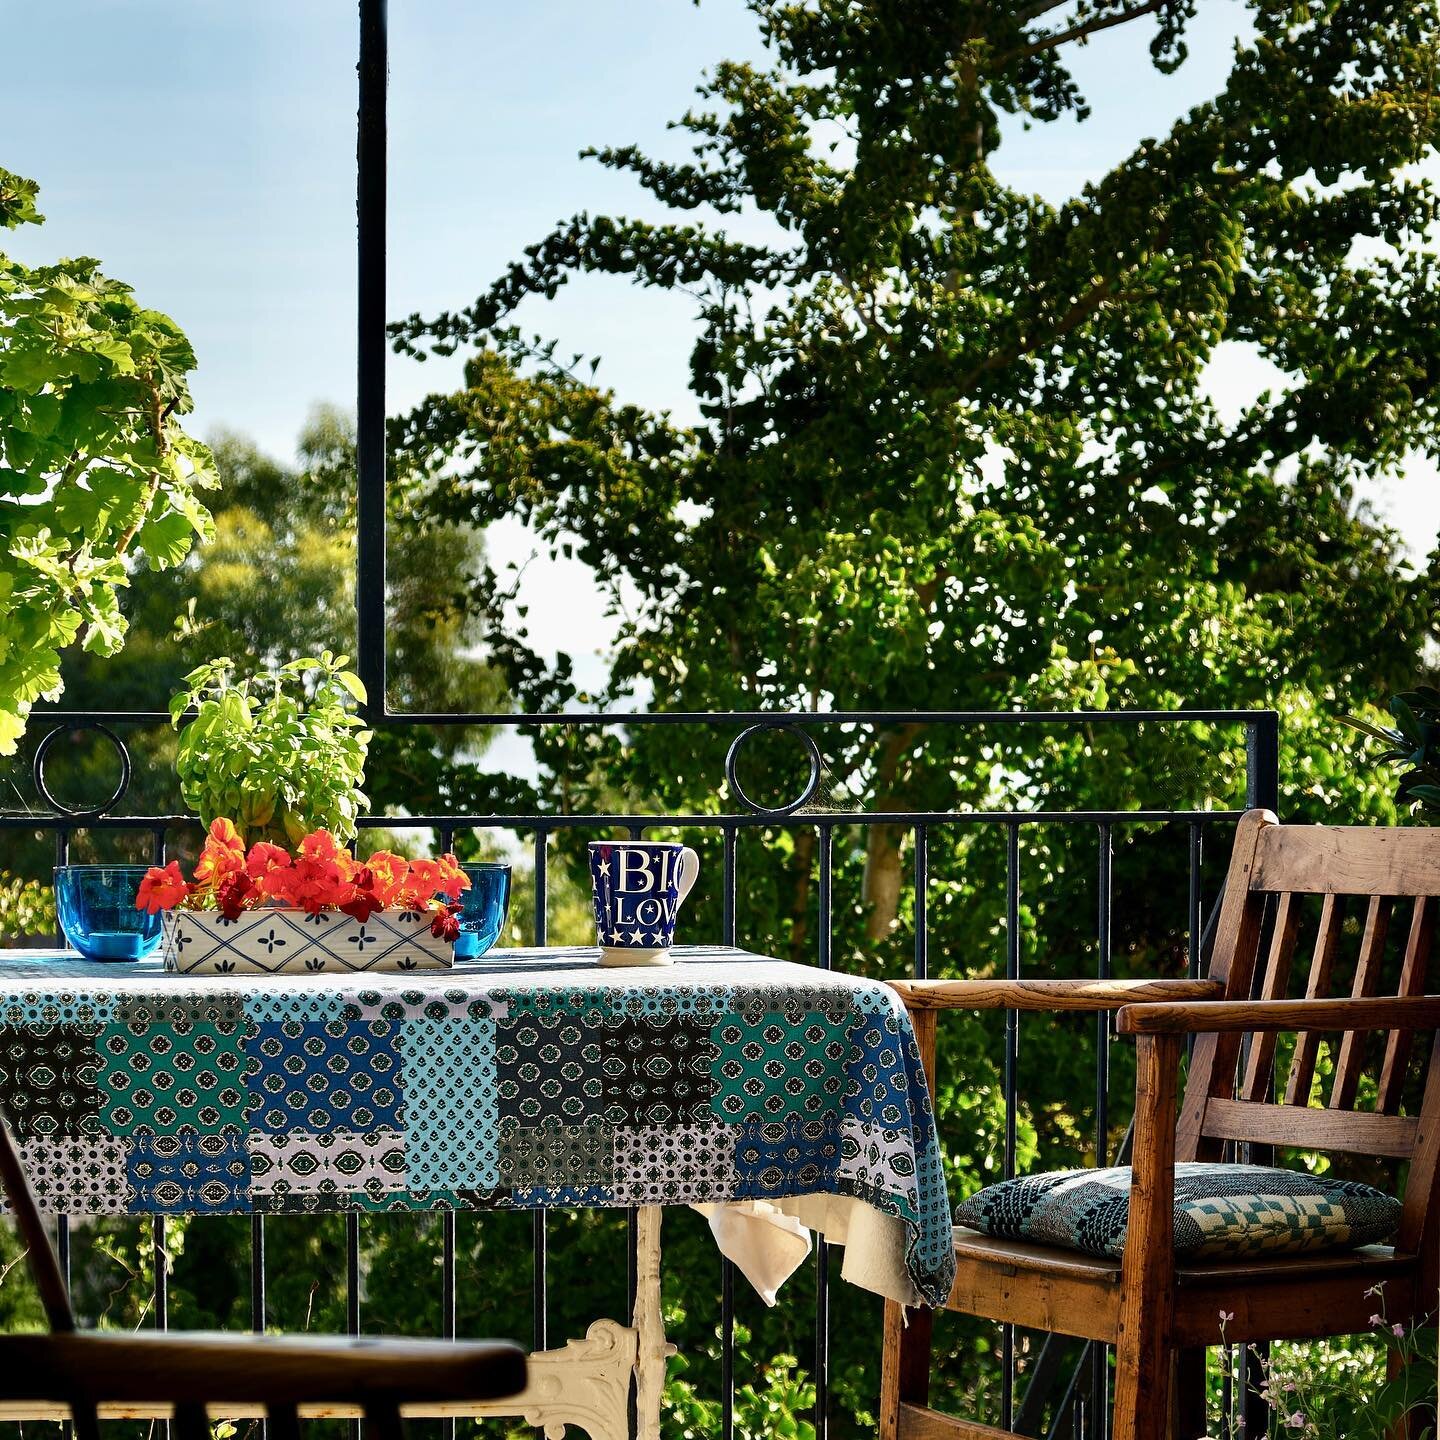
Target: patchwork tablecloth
[{"x": 530, "y": 1078}]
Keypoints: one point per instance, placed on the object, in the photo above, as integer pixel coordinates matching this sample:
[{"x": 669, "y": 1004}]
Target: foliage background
[{"x": 954, "y": 453}]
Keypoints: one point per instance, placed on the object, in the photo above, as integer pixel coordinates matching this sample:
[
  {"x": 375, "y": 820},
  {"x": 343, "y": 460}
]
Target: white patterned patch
[
  {"x": 690, "y": 1164},
  {"x": 86, "y": 1176},
  {"x": 875, "y": 1156},
  {"x": 302, "y": 1163}
]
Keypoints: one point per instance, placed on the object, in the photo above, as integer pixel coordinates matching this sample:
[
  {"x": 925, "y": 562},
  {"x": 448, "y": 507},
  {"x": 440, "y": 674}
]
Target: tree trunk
[
  {"x": 884, "y": 877},
  {"x": 800, "y": 904}
]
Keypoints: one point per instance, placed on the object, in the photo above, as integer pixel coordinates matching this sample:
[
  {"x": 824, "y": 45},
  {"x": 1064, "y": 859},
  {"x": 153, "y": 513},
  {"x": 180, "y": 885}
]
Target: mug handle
[{"x": 689, "y": 874}]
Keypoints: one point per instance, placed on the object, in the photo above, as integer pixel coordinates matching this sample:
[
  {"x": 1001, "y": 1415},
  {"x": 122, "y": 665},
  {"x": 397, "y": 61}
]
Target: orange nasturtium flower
[
  {"x": 387, "y": 876},
  {"x": 264, "y": 860},
  {"x": 161, "y": 889},
  {"x": 430, "y": 878},
  {"x": 223, "y": 855}
]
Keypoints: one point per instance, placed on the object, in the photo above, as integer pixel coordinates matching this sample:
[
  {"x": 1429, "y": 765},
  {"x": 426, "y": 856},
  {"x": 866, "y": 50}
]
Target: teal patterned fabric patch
[
  {"x": 526, "y": 1079},
  {"x": 1232, "y": 1212}
]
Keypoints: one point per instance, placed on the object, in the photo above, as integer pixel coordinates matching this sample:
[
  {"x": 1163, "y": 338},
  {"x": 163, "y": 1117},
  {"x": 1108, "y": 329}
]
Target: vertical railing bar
[
  {"x": 922, "y": 902},
  {"x": 825, "y": 931},
  {"x": 1100, "y": 1354},
  {"x": 1227, "y": 1392},
  {"x": 62, "y": 857},
  {"x": 1195, "y": 914},
  {"x": 1102, "y": 1018},
  {"x": 632, "y": 1218},
  {"x": 62, "y": 1222},
  {"x": 447, "y": 1220},
  {"x": 162, "y": 1276},
  {"x": 727, "y": 1350},
  {"x": 1011, "y": 1082},
  {"x": 257, "y": 1274},
  {"x": 730, "y": 835},
  {"x": 352, "y": 1292},
  {"x": 632, "y": 1290},
  {"x": 539, "y": 1229},
  {"x": 632, "y": 1225},
  {"x": 62, "y": 1247},
  {"x": 257, "y": 1285},
  {"x": 1262, "y": 760},
  {"x": 159, "y": 1255},
  {"x": 727, "y": 918}
]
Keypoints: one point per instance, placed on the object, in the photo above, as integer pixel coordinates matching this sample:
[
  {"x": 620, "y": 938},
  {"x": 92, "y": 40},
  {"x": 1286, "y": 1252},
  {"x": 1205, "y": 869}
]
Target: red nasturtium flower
[
  {"x": 323, "y": 876},
  {"x": 232, "y": 893},
  {"x": 363, "y": 904},
  {"x": 161, "y": 889},
  {"x": 446, "y": 924}
]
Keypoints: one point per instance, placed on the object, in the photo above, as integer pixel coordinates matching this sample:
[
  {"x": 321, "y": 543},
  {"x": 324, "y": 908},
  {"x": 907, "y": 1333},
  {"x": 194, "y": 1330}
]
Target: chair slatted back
[{"x": 1387, "y": 882}]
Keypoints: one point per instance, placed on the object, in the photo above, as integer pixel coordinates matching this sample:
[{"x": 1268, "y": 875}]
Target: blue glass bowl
[
  {"x": 484, "y": 908},
  {"x": 96, "y": 906}
]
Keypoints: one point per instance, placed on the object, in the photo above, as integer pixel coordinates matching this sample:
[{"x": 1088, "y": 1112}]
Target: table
[{"x": 526, "y": 1079}]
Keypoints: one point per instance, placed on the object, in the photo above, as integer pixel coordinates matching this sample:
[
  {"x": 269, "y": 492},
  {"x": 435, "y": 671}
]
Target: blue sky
[{"x": 204, "y": 150}]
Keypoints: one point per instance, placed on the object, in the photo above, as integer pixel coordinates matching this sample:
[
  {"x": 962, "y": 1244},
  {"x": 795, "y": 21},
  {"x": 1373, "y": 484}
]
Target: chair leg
[
  {"x": 191, "y": 1422},
  {"x": 904, "y": 1364},
  {"x": 1190, "y": 1394},
  {"x": 284, "y": 1422},
  {"x": 382, "y": 1418},
  {"x": 1144, "y": 1355},
  {"x": 1143, "y": 1369},
  {"x": 85, "y": 1419}
]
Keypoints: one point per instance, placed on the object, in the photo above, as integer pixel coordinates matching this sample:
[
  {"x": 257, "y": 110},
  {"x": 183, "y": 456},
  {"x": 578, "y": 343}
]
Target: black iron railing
[{"x": 1074, "y": 1396}]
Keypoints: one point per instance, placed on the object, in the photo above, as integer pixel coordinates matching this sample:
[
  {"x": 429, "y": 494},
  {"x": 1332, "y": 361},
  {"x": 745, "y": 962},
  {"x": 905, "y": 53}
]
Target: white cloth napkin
[{"x": 768, "y": 1240}]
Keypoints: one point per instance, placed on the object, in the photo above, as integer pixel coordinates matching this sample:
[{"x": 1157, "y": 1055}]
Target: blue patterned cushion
[{"x": 1221, "y": 1211}]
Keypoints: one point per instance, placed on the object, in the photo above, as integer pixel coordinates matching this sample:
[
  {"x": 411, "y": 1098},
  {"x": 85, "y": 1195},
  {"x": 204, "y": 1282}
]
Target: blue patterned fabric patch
[
  {"x": 524, "y": 1080},
  {"x": 453, "y": 1116},
  {"x": 189, "y": 1174},
  {"x": 342, "y": 1075}
]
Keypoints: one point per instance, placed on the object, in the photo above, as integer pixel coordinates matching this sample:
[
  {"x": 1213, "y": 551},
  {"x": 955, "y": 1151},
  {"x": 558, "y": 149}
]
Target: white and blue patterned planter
[{"x": 274, "y": 941}]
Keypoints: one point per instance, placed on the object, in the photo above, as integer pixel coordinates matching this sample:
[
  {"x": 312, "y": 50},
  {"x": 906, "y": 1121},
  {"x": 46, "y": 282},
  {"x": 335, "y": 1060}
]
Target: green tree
[
  {"x": 955, "y": 450},
  {"x": 278, "y": 581},
  {"x": 95, "y": 469}
]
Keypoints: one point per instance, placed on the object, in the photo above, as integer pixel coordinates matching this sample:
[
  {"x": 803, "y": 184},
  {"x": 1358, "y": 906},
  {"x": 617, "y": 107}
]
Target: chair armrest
[
  {"x": 1048, "y": 995},
  {"x": 148, "y": 1367},
  {"x": 1404, "y": 1012}
]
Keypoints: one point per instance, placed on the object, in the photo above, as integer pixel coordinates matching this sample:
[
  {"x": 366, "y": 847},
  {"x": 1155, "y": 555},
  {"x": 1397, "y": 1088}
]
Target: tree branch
[{"x": 1085, "y": 28}]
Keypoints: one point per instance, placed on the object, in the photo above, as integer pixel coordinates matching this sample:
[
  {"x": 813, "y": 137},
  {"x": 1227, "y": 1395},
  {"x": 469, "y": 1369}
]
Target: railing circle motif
[
  {"x": 42, "y": 755},
  {"x": 812, "y": 755}
]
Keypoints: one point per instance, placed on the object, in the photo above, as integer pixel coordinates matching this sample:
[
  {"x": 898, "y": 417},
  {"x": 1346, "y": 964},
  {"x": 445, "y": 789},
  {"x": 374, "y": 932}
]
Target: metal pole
[
  {"x": 370, "y": 357},
  {"x": 1262, "y": 761}
]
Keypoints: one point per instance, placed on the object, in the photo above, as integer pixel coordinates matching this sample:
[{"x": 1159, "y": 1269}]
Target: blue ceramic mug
[{"x": 639, "y": 886}]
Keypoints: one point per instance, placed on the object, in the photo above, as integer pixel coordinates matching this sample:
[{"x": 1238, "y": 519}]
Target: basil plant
[{"x": 279, "y": 753}]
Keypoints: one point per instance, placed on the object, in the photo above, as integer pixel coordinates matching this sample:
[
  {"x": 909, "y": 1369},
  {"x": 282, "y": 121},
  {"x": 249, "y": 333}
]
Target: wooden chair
[
  {"x": 1159, "y": 1314},
  {"x": 83, "y": 1369}
]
